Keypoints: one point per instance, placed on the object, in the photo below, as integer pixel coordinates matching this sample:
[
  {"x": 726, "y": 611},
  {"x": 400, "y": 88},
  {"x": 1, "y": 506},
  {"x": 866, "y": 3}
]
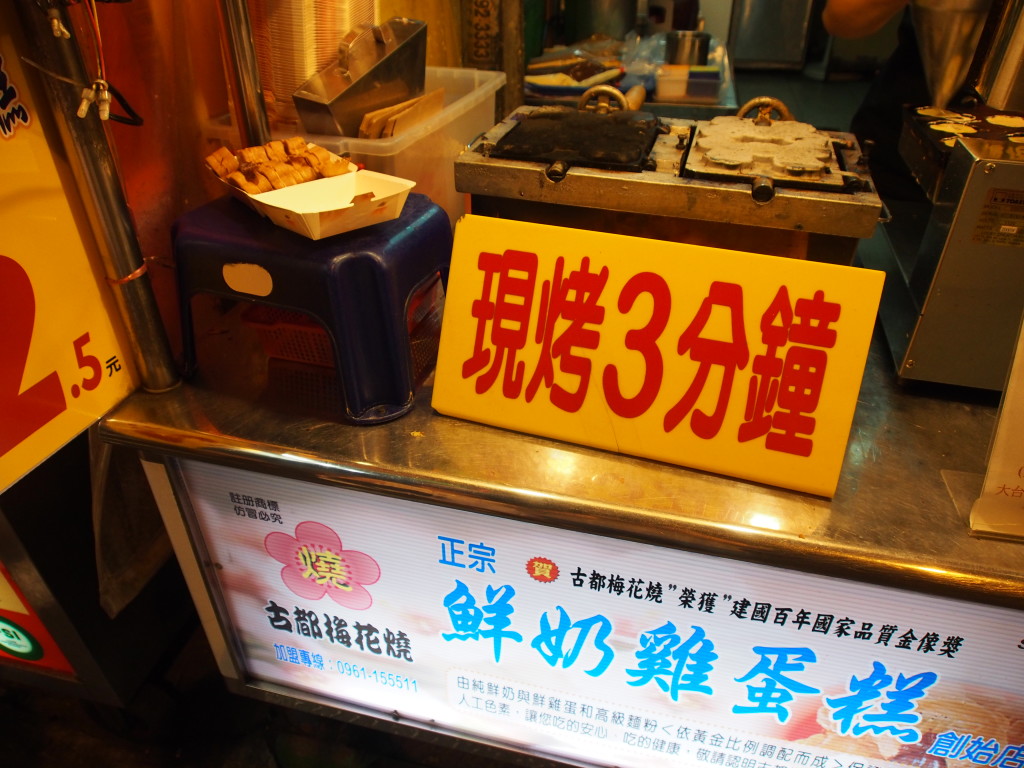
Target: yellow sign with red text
[
  {"x": 735, "y": 363},
  {"x": 63, "y": 362}
]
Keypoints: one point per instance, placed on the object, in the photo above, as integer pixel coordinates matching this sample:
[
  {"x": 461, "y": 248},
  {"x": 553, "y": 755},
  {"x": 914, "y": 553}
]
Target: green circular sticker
[{"x": 18, "y": 642}]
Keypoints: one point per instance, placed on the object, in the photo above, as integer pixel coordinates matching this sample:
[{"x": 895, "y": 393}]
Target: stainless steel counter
[{"x": 900, "y": 516}]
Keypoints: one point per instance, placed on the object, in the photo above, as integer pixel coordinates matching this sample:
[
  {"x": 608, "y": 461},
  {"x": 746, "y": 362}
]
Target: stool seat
[{"x": 357, "y": 285}]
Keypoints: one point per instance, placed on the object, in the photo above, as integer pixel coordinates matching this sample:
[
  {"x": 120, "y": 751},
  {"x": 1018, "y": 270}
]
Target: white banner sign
[
  {"x": 999, "y": 511},
  {"x": 594, "y": 649}
]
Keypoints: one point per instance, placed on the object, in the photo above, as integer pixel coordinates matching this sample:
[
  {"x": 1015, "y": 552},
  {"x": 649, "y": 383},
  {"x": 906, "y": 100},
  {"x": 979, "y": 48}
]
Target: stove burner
[
  {"x": 666, "y": 200},
  {"x": 564, "y": 137},
  {"x": 783, "y": 152}
]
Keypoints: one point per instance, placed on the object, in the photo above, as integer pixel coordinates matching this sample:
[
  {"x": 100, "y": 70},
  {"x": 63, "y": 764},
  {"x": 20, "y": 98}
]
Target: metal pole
[
  {"x": 95, "y": 171},
  {"x": 513, "y": 54},
  {"x": 247, "y": 73}
]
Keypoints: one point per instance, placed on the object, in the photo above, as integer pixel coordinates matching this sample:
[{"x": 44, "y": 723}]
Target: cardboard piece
[
  {"x": 373, "y": 122},
  {"x": 425, "y": 107},
  {"x": 384, "y": 123}
]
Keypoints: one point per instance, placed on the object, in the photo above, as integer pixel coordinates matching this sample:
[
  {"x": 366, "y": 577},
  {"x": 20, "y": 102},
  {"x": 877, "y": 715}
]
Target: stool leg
[{"x": 188, "y": 340}]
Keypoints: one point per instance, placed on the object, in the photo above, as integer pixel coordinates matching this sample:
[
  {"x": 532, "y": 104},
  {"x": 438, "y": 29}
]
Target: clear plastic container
[{"x": 427, "y": 153}]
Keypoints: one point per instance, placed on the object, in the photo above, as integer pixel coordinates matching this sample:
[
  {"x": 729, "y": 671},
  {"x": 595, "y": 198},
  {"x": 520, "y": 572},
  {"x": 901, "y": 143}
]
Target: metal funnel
[{"x": 947, "y": 34}]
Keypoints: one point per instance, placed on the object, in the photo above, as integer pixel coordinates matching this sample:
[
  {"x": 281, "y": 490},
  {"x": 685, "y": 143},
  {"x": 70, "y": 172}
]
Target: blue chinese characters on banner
[{"x": 677, "y": 659}]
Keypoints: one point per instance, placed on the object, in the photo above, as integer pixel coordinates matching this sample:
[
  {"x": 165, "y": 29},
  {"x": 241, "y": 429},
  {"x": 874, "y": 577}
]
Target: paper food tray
[{"x": 329, "y": 206}]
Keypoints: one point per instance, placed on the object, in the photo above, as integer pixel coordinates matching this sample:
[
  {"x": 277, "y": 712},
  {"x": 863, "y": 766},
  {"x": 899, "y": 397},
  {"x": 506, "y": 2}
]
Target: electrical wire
[
  {"x": 100, "y": 88},
  {"x": 94, "y": 23},
  {"x": 132, "y": 117}
]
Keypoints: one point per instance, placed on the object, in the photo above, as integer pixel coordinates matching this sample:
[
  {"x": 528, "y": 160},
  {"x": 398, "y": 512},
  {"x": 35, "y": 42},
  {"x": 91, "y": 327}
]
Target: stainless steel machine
[
  {"x": 952, "y": 304},
  {"x": 765, "y": 184}
]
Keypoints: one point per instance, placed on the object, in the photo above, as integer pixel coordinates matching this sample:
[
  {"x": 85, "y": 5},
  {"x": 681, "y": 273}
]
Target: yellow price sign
[
  {"x": 730, "y": 362},
  {"x": 64, "y": 363}
]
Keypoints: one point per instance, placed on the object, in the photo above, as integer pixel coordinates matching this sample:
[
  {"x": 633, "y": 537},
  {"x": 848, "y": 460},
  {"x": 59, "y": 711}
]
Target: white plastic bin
[{"x": 427, "y": 153}]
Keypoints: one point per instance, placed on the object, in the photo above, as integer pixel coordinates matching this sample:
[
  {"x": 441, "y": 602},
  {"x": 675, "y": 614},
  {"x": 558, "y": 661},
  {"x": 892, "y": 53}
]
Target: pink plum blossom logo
[{"x": 315, "y": 564}]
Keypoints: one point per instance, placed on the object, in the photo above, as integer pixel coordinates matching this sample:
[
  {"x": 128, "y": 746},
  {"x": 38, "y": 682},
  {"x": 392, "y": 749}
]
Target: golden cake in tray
[{"x": 275, "y": 165}]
